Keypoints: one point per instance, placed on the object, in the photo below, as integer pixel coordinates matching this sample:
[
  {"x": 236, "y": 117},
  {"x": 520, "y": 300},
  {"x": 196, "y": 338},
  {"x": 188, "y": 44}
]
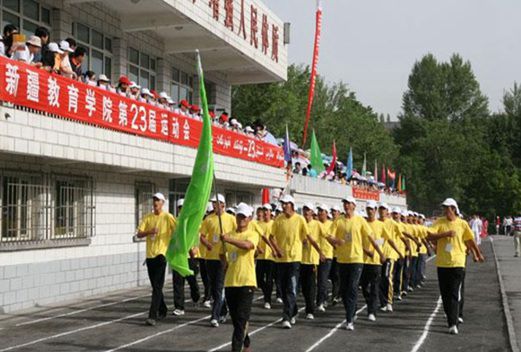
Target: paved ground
[{"x": 115, "y": 322}]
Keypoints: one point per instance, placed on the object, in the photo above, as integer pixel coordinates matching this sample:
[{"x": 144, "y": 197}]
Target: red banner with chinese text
[
  {"x": 366, "y": 194},
  {"x": 24, "y": 85}
]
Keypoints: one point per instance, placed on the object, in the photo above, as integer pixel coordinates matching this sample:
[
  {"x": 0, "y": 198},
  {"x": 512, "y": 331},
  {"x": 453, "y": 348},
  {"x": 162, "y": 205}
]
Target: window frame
[
  {"x": 178, "y": 82},
  {"x": 107, "y": 55},
  {"x": 150, "y": 69},
  {"x": 22, "y": 17}
]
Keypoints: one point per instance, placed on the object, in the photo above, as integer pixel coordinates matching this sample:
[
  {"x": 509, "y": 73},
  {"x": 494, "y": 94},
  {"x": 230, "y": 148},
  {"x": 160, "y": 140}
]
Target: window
[
  {"x": 99, "y": 49},
  {"x": 40, "y": 209},
  {"x": 144, "y": 203},
  {"x": 181, "y": 86},
  {"x": 25, "y": 14},
  {"x": 141, "y": 68}
]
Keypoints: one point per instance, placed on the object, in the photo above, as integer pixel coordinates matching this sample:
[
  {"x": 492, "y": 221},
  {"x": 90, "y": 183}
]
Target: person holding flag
[
  {"x": 157, "y": 227},
  {"x": 240, "y": 281}
]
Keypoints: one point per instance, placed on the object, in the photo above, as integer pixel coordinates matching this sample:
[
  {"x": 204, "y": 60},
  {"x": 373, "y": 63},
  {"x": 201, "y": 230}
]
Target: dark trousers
[
  {"x": 450, "y": 281},
  {"x": 398, "y": 276},
  {"x": 406, "y": 273},
  {"x": 264, "y": 271},
  {"x": 422, "y": 262},
  {"x": 156, "y": 268},
  {"x": 216, "y": 279},
  {"x": 370, "y": 282},
  {"x": 204, "y": 278},
  {"x": 413, "y": 269},
  {"x": 239, "y": 301},
  {"x": 288, "y": 274},
  {"x": 308, "y": 283},
  {"x": 322, "y": 277},
  {"x": 179, "y": 285},
  {"x": 335, "y": 280},
  {"x": 276, "y": 280},
  {"x": 386, "y": 283},
  {"x": 349, "y": 275}
]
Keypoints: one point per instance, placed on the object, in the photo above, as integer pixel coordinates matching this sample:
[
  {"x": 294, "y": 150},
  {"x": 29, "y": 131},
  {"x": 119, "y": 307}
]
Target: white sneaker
[
  {"x": 350, "y": 326},
  {"x": 310, "y": 316},
  {"x": 399, "y": 297},
  {"x": 293, "y": 320},
  {"x": 371, "y": 317},
  {"x": 214, "y": 323},
  {"x": 389, "y": 307},
  {"x": 460, "y": 320},
  {"x": 383, "y": 309},
  {"x": 279, "y": 300},
  {"x": 178, "y": 312},
  {"x": 286, "y": 324},
  {"x": 267, "y": 305},
  {"x": 453, "y": 330},
  {"x": 207, "y": 304},
  {"x": 321, "y": 308}
]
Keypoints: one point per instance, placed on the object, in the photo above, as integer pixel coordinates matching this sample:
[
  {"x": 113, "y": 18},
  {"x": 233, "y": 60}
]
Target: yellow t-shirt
[
  {"x": 352, "y": 231},
  {"x": 309, "y": 253},
  {"x": 289, "y": 233},
  {"x": 411, "y": 230},
  {"x": 380, "y": 236},
  {"x": 266, "y": 231},
  {"x": 211, "y": 230},
  {"x": 451, "y": 251},
  {"x": 241, "y": 262},
  {"x": 165, "y": 223},
  {"x": 422, "y": 231},
  {"x": 395, "y": 234},
  {"x": 325, "y": 246}
]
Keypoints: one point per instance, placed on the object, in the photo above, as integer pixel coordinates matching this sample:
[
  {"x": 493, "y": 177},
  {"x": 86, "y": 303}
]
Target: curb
[{"x": 506, "y": 308}]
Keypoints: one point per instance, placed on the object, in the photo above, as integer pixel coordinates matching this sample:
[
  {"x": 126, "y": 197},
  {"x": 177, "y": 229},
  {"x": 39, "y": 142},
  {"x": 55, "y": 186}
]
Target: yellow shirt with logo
[
  {"x": 326, "y": 247},
  {"x": 289, "y": 233},
  {"x": 241, "y": 262},
  {"x": 165, "y": 223},
  {"x": 380, "y": 235},
  {"x": 396, "y": 235},
  {"x": 211, "y": 231},
  {"x": 266, "y": 231},
  {"x": 352, "y": 231},
  {"x": 451, "y": 251},
  {"x": 310, "y": 255}
]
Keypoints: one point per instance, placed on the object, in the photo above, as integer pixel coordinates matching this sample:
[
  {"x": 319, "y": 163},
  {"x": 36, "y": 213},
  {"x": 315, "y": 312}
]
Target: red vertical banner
[
  {"x": 265, "y": 195},
  {"x": 312, "y": 83}
]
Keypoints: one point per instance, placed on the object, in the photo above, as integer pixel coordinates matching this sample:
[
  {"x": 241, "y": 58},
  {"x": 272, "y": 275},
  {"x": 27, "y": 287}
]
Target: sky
[{"x": 371, "y": 45}]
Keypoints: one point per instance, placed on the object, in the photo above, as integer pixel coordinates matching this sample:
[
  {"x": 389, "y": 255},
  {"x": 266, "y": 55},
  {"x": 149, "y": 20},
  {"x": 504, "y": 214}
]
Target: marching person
[
  {"x": 211, "y": 232},
  {"x": 324, "y": 267},
  {"x": 289, "y": 231},
  {"x": 452, "y": 236},
  {"x": 179, "y": 281},
  {"x": 401, "y": 263},
  {"x": 240, "y": 281},
  {"x": 347, "y": 234},
  {"x": 265, "y": 264},
  {"x": 517, "y": 236},
  {"x": 333, "y": 273},
  {"x": 157, "y": 227}
]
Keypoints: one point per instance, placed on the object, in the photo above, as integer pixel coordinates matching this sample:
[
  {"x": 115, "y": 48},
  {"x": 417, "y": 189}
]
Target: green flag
[
  {"x": 316, "y": 155},
  {"x": 186, "y": 234},
  {"x": 364, "y": 167},
  {"x": 403, "y": 184}
]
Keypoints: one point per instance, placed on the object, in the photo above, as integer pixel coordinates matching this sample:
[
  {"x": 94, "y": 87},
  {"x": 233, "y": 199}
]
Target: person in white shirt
[
  {"x": 27, "y": 52},
  {"x": 104, "y": 82},
  {"x": 65, "y": 64},
  {"x": 476, "y": 225}
]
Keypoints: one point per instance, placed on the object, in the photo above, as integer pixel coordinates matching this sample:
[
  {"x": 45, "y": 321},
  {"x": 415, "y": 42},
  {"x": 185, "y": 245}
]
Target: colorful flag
[
  {"x": 265, "y": 195},
  {"x": 399, "y": 186},
  {"x": 350, "y": 164},
  {"x": 364, "y": 167},
  {"x": 287, "y": 147},
  {"x": 403, "y": 184},
  {"x": 186, "y": 234},
  {"x": 375, "y": 171},
  {"x": 332, "y": 166},
  {"x": 316, "y": 155},
  {"x": 384, "y": 176}
]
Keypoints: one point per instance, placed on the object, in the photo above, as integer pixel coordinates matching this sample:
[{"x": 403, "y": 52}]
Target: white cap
[
  {"x": 450, "y": 202},
  {"x": 180, "y": 202},
  {"x": 209, "y": 207},
  {"x": 134, "y": 85},
  {"x": 410, "y": 213},
  {"x": 422, "y": 216},
  {"x": 249, "y": 129},
  {"x": 287, "y": 199},
  {"x": 404, "y": 212},
  {"x": 103, "y": 78},
  {"x": 349, "y": 199},
  {"x": 231, "y": 210},
  {"x": 310, "y": 206},
  {"x": 239, "y": 125},
  {"x": 159, "y": 196},
  {"x": 371, "y": 204},
  {"x": 397, "y": 210},
  {"x": 383, "y": 205},
  {"x": 170, "y": 101},
  {"x": 415, "y": 214},
  {"x": 323, "y": 207},
  {"x": 65, "y": 46},
  {"x": 147, "y": 92},
  {"x": 244, "y": 209},
  {"x": 219, "y": 198},
  {"x": 34, "y": 41},
  {"x": 53, "y": 47},
  {"x": 336, "y": 208},
  {"x": 163, "y": 95},
  {"x": 267, "y": 206},
  {"x": 233, "y": 122}
]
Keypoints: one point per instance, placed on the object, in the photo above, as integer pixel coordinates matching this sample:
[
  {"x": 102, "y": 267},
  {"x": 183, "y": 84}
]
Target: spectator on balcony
[
  {"x": 183, "y": 108},
  {"x": 170, "y": 104},
  {"x": 123, "y": 85},
  {"x": 224, "y": 118},
  {"x": 263, "y": 133},
  {"x": 65, "y": 68},
  {"x": 154, "y": 99},
  {"x": 163, "y": 100},
  {"x": 72, "y": 43},
  {"x": 56, "y": 51},
  {"x": 146, "y": 96},
  {"x": 134, "y": 89},
  {"x": 90, "y": 78},
  {"x": 248, "y": 130},
  {"x": 45, "y": 56},
  {"x": 6, "y": 44},
  {"x": 76, "y": 59},
  {"x": 27, "y": 52},
  {"x": 312, "y": 172},
  {"x": 298, "y": 168},
  {"x": 104, "y": 82},
  {"x": 195, "y": 112}
]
